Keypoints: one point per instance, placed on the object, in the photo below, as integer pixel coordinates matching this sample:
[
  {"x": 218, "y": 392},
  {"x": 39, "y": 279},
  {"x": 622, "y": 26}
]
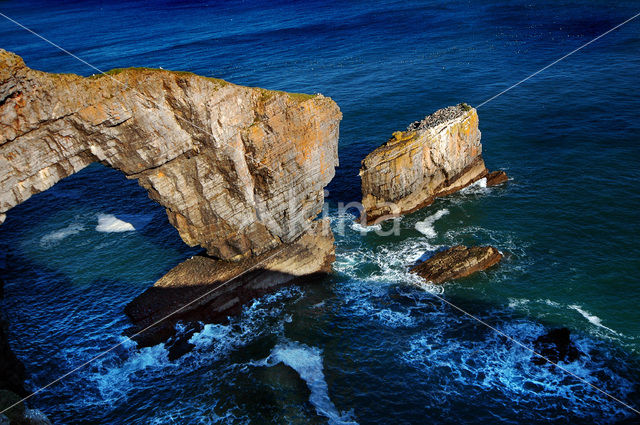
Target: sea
[{"x": 372, "y": 343}]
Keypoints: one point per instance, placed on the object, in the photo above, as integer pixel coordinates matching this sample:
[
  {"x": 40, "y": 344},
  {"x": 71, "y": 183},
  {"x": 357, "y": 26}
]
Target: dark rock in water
[
  {"x": 9, "y": 398},
  {"x": 12, "y": 376},
  {"x": 179, "y": 345},
  {"x": 496, "y": 177},
  {"x": 556, "y": 345},
  {"x": 12, "y": 372},
  {"x": 456, "y": 262},
  {"x": 19, "y": 414}
]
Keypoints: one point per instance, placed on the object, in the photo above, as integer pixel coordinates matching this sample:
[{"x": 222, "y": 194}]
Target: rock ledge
[{"x": 456, "y": 262}]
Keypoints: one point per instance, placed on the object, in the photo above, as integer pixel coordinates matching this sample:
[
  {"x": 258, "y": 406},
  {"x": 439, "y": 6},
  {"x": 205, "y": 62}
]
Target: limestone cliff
[
  {"x": 239, "y": 170},
  {"x": 433, "y": 157}
]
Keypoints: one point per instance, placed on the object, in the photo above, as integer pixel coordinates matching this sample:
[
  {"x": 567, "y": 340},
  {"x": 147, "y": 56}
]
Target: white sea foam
[
  {"x": 114, "y": 381},
  {"x": 365, "y": 229},
  {"x": 426, "y": 226},
  {"x": 58, "y": 235},
  {"x": 477, "y": 186},
  {"x": 593, "y": 319},
  {"x": 108, "y": 223},
  {"x": 307, "y": 361}
]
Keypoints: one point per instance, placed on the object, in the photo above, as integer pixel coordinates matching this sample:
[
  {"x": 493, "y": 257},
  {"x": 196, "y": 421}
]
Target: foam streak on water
[
  {"x": 593, "y": 319},
  {"x": 426, "y": 226},
  {"x": 58, "y": 235},
  {"x": 307, "y": 361}
]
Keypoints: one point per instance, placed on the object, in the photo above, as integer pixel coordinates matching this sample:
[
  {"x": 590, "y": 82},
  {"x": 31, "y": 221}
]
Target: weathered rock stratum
[
  {"x": 239, "y": 170},
  {"x": 456, "y": 262},
  {"x": 434, "y": 157}
]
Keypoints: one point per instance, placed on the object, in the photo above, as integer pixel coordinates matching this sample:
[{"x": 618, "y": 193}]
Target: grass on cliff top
[
  {"x": 266, "y": 94},
  {"x": 300, "y": 97},
  {"x": 143, "y": 69}
]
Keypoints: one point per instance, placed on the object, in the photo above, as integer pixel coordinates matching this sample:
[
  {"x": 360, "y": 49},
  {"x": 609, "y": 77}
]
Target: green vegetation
[
  {"x": 266, "y": 94},
  {"x": 143, "y": 69},
  {"x": 299, "y": 97}
]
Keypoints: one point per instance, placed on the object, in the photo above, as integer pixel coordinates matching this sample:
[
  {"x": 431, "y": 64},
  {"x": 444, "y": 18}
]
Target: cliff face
[
  {"x": 433, "y": 157},
  {"x": 239, "y": 170}
]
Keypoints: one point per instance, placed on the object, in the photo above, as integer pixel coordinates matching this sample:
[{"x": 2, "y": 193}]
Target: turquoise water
[{"x": 371, "y": 344}]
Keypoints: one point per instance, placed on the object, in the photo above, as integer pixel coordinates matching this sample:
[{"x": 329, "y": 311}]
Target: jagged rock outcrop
[
  {"x": 239, "y": 170},
  {"x": 12, "y": 376},
  {"x": 199, "y": 288},
  {"x": 496, "y": 177},
  {"x": 433, "y": 157},
  {"x": 557, "y": 346},
  {"x": 456, "y": 262}
]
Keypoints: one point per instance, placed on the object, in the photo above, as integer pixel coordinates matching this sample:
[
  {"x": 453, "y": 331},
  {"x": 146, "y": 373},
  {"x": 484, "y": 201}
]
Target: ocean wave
[
  {"x": 483, "y": 362},
  {"x": 307, "y": 362},
  {"x": 523, "y": 304},
  {"x": 593, "y": 319},
  {"x": 365, "y": 229},
  {"x": 113, "y": 375},
  {"x": 426, "y": 226},
  {"x": 478, "y": 186},
  {"x": 108, "y": 223}
]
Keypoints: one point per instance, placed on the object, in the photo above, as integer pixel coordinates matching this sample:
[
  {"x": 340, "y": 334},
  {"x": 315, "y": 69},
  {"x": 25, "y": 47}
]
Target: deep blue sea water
[{"x": 371, "y": 344}]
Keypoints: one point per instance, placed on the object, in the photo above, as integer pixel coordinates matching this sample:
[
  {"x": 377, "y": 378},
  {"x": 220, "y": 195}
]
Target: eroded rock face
[
  {"x": 433, "y": 157},
  {"x": 456, "y": 262},
  {"x": 239, "y": 170},
  {"x": 200, "y": 289}
]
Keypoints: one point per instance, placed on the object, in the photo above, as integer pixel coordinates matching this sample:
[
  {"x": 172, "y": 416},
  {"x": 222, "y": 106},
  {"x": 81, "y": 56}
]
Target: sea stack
[
  {"x": 240, "y": 171},
  {"x": 434, "y": 157}
]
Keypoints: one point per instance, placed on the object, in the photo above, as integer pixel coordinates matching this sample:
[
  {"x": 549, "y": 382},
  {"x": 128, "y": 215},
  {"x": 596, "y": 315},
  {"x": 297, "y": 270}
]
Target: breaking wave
[
  {"x": 426, "y": 226},
  {"x": 108, "y": 223},
  {"x": 307, "y": 361},
  {"x": 593, "y": 319}
]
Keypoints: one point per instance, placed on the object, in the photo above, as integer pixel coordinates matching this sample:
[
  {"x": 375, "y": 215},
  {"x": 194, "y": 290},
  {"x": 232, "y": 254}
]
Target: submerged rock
[
  {"x": 433, "y": 157},
  {"x": 456, "y": 262},
  {"x": 556, "y": 345},
  {"x": 12, "y": 390},
  {"x": 205, "y": 289},
  {"x": 240, "y": 170}
]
